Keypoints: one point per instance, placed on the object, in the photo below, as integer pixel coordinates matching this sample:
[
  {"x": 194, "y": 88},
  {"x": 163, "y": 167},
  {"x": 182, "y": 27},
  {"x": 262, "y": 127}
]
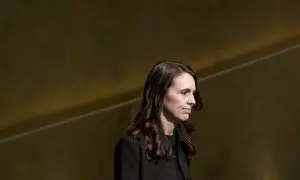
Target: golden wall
[{"x": 56, "y": 55}]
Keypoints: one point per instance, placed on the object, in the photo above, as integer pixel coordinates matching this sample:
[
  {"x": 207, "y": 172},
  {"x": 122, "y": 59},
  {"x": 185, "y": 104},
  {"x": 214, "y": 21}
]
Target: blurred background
[{"x": 71, "y": 74}]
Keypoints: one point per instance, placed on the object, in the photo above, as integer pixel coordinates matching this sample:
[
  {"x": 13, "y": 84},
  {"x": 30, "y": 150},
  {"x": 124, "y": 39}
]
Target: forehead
[{"x": 184, "y": 81}]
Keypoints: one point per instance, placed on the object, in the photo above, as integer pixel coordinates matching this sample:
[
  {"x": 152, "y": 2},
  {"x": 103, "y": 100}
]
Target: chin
[{"x": 184, "y": 117}]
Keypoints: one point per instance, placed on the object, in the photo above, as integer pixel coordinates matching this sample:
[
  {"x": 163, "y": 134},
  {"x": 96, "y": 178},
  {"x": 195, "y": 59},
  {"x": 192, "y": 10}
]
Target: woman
[{"x": 158, "y": 143}]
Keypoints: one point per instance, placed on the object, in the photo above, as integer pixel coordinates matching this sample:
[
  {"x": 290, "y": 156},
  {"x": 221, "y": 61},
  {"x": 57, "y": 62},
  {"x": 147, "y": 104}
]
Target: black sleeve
[{"x": 126, "y": 160}]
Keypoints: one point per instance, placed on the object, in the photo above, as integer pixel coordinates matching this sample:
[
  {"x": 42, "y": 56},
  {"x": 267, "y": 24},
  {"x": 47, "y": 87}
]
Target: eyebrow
[{"x": 188, "y": 89}]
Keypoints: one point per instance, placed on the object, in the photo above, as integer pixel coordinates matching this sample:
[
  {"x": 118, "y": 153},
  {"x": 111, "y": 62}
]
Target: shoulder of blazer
[
  {"x": 129, "y": 145},
  {"x": 127, "y": 159}
]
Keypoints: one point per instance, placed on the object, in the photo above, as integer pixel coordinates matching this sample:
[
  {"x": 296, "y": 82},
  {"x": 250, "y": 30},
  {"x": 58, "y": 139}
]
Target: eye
[{"x": 185, "y": 92}]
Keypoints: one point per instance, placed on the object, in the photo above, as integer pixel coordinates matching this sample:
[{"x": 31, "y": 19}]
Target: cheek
[{"x": 173, "y": 103}]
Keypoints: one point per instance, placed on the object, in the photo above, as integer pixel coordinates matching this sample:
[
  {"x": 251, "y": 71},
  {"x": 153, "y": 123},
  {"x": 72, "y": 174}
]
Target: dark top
[{"x": 130, "y": 162}]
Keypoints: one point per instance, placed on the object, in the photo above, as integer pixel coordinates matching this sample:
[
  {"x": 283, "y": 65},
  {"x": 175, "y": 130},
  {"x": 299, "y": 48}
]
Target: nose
[{"x": 191, "y": 100}]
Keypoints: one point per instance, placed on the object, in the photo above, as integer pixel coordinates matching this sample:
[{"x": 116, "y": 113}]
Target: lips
[{"x": 187, "y": 110}]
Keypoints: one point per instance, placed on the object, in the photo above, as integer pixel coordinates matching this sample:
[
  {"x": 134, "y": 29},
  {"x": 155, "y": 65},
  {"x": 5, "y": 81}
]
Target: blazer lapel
[
  {"x": 182, "y": 159},
  {"x": 183, "y": 164}
]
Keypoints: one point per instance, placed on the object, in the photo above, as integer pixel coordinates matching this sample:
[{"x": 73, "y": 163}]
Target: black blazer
[{"x": 130, "y": 163}]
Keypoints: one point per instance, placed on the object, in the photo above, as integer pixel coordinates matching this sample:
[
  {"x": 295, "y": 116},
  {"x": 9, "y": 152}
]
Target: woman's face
[{"x": 179, "y": 98}]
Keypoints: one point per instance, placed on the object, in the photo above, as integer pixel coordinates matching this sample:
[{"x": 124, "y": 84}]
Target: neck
[{"x": 167, "y": 125}]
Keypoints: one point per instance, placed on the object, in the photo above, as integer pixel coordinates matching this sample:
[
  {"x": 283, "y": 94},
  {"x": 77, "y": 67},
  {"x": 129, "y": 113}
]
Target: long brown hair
[{"x": 147, "y": 122}]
